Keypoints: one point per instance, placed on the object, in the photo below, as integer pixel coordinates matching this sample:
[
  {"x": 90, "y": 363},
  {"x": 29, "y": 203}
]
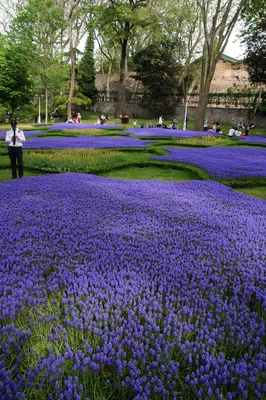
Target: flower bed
[
  {"x": 253, "y": 139},
  {"x": 135, "y": 290},
  {"x": 222, "y": 162},
  {"x": 64, "y": 125},
  {"x": 168, "y": 132},
  {"x": 82, "y": 142}
]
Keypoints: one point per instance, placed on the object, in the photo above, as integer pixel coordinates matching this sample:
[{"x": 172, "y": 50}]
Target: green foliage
[
  {"x": 86, "y": 71},
  {"x": 38, "y": 30},
  {"x": 256, "y": 55},
  {"x": 156, "y": 67},
  {"x": 254, "y": 38},
  {"x": 78, "y": 101},
  {"x": 262, "y": 106},
  {"x": 15, "y": 82}
]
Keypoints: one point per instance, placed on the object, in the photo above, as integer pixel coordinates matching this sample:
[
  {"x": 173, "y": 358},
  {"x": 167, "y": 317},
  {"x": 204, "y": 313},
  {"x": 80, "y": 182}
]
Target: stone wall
[
  {"x": 108, "y": 107},
  {"x": 229, "y": 115},
  {"x": 230, "y": 75}
]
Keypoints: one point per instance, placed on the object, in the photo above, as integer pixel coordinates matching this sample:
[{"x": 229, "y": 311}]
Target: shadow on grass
[
  {"x": 5, "y": 174},
  {"x": 152, "y": 171}
]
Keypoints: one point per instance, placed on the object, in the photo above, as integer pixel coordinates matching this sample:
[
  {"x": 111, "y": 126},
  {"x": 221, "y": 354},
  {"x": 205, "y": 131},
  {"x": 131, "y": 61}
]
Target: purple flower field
[
  {"x": 168, "y": 132},
  {"x": 154, "y": 289},
  {"x": 222, "y": 162},
  {"x": 253, "y": 139},
  {"x": 88, "y": 142},
  {"x": 64, "y": 125}
]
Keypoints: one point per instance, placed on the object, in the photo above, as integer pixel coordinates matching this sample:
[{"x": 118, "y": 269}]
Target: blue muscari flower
[
  {"x": 83, "y": 142},
  {"x": 222, "y": 162},
  {"x": 170, "y": 280}
]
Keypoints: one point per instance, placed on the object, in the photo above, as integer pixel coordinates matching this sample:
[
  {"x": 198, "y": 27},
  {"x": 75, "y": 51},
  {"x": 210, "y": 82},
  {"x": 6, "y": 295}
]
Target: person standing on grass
[
  {"x": 15, "y": 138},
  {"x": 160, "y": 122},
  {"x": 79, "y": 118}
]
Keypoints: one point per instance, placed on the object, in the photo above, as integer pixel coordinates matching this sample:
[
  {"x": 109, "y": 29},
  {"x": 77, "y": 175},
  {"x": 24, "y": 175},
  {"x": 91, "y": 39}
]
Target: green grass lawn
[
  {"x": 259, "y": 191},
  {"x": 5, "y": 174},
  {"x": 152, "y": 172}
]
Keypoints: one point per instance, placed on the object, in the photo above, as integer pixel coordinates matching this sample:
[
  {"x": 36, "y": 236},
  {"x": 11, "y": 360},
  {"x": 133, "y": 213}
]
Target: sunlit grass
[
  {"x": 152, "y": 172},
  {"x": 90, "y": 132},
  {"x": 259, "y": 191},
  {"x": 5, "y": 174},
  {"x": 81, "y": 160}
]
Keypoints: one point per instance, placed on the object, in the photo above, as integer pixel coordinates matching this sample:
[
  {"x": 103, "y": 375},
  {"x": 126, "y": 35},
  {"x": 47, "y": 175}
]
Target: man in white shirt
[{"x": 15, "y": 138}]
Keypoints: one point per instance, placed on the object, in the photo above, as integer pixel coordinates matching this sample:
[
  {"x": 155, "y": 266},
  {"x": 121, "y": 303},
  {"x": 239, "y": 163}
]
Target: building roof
[
  {"x": 230, "y": 59},
  {"x": 223, "y": 57}
]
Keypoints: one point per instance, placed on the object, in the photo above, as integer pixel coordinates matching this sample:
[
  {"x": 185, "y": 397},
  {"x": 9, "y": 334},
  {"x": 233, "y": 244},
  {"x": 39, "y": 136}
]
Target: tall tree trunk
[
  {"x": 207, "y": 72},
  {"x": 108, "y": 82},
  {"x": 256, "y": 103},
  {"x": 218, "y": 23},
  {"x": 121, "y": 95},
  {"x": 73, "y": 71},
  {"x": 72, "y": 52}
]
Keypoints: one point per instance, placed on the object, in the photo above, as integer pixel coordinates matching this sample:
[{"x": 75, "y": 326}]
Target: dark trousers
[{"x": 15, "y": 153}]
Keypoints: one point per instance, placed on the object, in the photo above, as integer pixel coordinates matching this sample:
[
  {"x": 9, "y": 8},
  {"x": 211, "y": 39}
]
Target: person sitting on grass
[
  {"x": 231, "y": 132},
  {"x": 238, "y": 132}
]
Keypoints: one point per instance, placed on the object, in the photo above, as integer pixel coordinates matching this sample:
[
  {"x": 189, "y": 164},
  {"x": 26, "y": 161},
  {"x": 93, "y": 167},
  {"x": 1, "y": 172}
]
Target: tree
[
  {"x": 37, "y": 28},
  {"x": 156, "y": 67},
  {"x": 256, "y": 55},
  {"x": 75, "y": 22},
  {"x": 219, "y": 18},
  {"x": 182, "y": 24},
  {"x": 15, "y": 83},
  {"x": 119, "y": 21},
  {"x": 254, "y": 37},
  {"x": 86, "y": 69},
  {"x": 8, "y": 11}
]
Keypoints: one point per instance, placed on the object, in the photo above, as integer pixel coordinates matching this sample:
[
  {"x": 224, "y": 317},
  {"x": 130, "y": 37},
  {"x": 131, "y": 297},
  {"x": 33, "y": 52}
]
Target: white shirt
[
  {"x": 231, "y": 132},
  {"x": 160, "y": 121},
  {"x": 10, "y": 134}
]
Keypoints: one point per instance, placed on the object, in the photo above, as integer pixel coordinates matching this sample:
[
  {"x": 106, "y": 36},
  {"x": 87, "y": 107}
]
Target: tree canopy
[
  {"x": 157, "y": 69},
  {"x": 48, "y": 35},
  {"x": 15, "y": 81},
  {"x": 254, "y": 38}
]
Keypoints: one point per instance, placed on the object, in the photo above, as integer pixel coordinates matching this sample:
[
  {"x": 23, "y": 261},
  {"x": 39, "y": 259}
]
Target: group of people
[
  {"x": 75, "y": 119},
  {"x": 241, "y": 129},
  {"x": 234, "y": 131},
  {"x": 158, "y": 124},
  {"x": 102, "y": 120},
  {"x": 215, "y": 127}
]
